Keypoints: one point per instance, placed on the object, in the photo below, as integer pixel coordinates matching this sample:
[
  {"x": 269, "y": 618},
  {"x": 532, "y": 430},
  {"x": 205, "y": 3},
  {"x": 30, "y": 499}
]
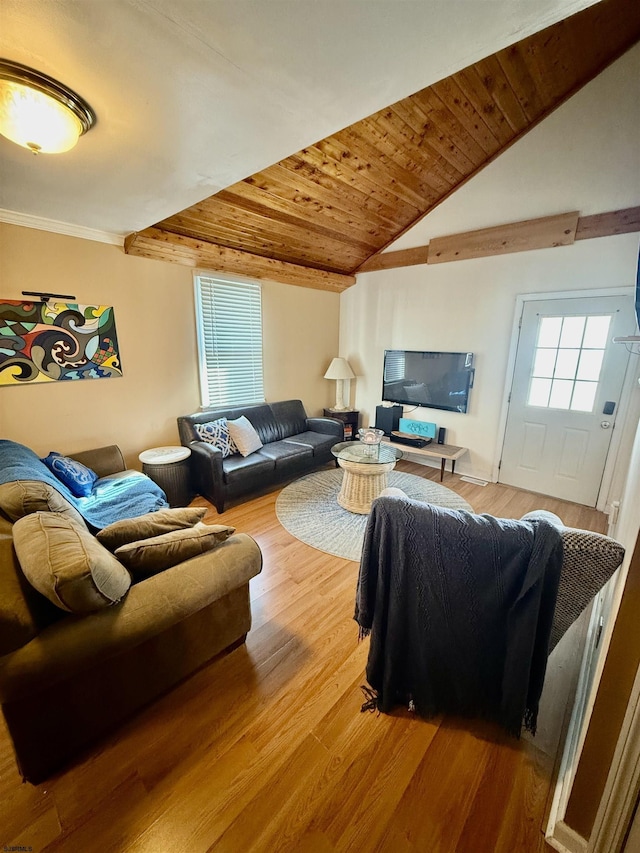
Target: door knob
[{"x": 605, "y": 424}]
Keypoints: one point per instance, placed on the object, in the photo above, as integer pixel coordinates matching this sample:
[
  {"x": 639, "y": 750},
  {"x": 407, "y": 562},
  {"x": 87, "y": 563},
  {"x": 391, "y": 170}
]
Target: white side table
[{"x": 169, "y": 468}]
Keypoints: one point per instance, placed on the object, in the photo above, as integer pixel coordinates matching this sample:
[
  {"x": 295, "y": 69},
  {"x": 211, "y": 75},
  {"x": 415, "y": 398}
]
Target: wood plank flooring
[{"x": 266, "y": 749}]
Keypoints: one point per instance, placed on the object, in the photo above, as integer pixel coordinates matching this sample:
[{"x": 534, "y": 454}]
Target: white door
[{"x": 564, "y": 400}]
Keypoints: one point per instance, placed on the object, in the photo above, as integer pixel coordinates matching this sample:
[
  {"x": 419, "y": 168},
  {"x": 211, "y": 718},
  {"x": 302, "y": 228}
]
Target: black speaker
[
  {"x": 388, "y": 418},
  {"x": 441, "y": 435}
]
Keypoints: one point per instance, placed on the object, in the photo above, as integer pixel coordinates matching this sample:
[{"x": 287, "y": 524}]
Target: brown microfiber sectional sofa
[{"x": 67, "y": 679}]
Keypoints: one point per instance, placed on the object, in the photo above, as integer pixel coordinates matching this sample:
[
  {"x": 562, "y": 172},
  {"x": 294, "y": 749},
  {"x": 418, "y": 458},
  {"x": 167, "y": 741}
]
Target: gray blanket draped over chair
[{"x": 459, "y": 608}]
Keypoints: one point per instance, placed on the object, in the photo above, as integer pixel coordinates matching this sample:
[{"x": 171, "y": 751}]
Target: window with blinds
[{"x": 229, "y": 315}]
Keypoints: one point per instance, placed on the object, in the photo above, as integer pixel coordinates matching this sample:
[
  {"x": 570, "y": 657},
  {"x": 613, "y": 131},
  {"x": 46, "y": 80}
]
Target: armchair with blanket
[{"x": 463, "y": 609}]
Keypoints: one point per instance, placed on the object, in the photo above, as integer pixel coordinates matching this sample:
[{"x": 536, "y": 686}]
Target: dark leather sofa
[{"x": 293, "y": 444}]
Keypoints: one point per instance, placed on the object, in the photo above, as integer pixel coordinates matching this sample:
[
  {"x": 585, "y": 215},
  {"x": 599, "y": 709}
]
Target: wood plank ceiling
[{"x": 316, "y": 217}]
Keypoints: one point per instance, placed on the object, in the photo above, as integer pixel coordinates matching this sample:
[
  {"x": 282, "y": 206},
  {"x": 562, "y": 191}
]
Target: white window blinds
[{"x": 229, "y": 317}]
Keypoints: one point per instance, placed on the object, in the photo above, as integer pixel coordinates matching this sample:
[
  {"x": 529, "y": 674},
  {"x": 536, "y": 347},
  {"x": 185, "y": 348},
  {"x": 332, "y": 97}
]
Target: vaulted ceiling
[{"x": 315, "y": 217}]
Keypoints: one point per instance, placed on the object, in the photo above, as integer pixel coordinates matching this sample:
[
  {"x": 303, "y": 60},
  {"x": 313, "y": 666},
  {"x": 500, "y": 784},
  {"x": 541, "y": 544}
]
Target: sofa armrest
[
  {"x": 76, "y": 643},
  {"x": 327, "y": 426},
  {"x": 206, "y": 472},
  {"x": 102, "y": 460}
]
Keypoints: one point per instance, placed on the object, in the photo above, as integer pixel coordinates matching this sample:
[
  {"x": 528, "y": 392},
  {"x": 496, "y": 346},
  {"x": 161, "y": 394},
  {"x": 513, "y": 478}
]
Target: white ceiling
[{"x": 194, "y": 95}]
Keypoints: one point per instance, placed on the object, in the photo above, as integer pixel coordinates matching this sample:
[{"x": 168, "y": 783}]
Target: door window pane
[
  {"x": 584, "y": 396},
  {"x": 545, "y": 362},
  {"x": 590, "y": 364},
  {"x": 539, "y": 392},
  {"x": 560, "y": 393},
  {"x": 567, "y": 363},
  {"x": 572, "y": 330},
  {"x": 596, "y": 332},
  {"x": 549, "y": 333}
]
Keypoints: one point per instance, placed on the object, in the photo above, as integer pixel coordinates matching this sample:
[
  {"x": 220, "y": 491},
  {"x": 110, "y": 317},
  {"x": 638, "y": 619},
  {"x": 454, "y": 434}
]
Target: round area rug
[{"x": 309, "y": 510}]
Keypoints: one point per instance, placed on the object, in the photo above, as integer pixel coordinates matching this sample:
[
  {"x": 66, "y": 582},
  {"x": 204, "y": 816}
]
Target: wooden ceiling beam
[
  {"x": 624, "y": 221},
  {"x": 545, "y": 232},
  {"x": 163, "y": 245},
  {"x": 395, "y": 260}
]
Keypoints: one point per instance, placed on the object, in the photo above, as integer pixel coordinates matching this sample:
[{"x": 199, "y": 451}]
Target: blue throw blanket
[
  {"x": 112, "y": 498},
  {"x": 459, "y": 608}
]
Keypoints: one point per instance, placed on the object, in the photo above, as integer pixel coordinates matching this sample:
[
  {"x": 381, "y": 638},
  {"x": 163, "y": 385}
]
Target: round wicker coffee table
[{"x": 365, "y": 473}]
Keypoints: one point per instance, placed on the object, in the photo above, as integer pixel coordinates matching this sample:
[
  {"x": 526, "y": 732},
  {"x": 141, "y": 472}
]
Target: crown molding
[{"x": 12, "y": 217}]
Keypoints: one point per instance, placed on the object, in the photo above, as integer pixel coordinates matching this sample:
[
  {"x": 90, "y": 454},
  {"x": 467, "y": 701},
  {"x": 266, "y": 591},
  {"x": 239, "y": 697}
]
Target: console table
[{"x": 437, "y": 451}]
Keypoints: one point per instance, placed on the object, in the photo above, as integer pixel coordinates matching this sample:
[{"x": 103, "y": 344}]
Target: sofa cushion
[
  {"x": 149, "y": 556},
  {"x": 68, "y": 565},
  {"x": 319, "y": 442},
  {"x": 286, "y": 454},
  {"x": 149, "y": 525},
  {"x": 217, "y": 434},
  {"x": 22, "y": 497},
  {"x": 244, "y": 436},
  {"x": 290, "y": 417},
  {"x": 76, "y": 477},
  {"x": 238, "y": 468}
]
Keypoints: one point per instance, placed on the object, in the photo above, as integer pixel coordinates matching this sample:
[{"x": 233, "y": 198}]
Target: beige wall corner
[{"x": 155, "y": 322}]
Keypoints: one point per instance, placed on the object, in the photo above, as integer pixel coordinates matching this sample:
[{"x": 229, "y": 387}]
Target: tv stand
[{"x": 441, "y": 451}]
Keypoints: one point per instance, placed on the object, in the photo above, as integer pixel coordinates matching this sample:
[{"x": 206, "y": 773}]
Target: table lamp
[{"x": 339, "y": 369}]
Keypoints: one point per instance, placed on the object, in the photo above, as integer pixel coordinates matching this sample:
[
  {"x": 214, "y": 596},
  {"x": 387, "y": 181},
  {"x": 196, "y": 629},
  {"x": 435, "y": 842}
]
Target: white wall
[{"x": 585, "y": 157}]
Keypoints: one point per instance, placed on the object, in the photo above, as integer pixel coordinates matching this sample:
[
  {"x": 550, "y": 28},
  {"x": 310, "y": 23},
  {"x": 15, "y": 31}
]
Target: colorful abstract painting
[{"x": 53, "y": 341}]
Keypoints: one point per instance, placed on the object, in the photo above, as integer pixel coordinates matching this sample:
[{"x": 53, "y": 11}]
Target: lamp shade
[
  {"x": 339, "y": 369},
  {"x": 39, "y": 113}
]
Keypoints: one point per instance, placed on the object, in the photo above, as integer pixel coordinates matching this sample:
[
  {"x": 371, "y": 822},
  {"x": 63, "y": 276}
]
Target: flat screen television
[{"x": 435, "y": 380}]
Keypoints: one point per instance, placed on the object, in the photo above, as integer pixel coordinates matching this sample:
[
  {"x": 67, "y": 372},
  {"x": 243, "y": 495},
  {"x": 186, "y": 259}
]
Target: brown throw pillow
[
  {"x": 22, "y": 497},
  {"x": 150, "y": 556},
  {"x": 64, "y": 562},
  {"x": 146, "y": 526}
]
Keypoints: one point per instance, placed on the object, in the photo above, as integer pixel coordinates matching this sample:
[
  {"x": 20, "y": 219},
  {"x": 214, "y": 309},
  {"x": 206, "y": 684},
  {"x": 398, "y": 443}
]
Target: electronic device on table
[{"x": 409, "y": 439}]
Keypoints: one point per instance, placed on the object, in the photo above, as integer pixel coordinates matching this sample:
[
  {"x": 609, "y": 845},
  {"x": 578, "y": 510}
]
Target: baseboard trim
[
  {"x": 566, "y": 840},
  {"x": 474, "y": 480}
]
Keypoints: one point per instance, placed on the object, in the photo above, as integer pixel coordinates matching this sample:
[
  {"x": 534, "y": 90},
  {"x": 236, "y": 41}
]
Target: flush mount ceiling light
[{"x": 39, "y": 113}]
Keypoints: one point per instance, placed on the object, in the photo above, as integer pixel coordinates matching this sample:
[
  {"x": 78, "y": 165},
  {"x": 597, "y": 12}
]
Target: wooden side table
[
  {"x": 350, "y": 420},
  {"x": 168, "y": 467},
  {"x": 438, "y": 451}
]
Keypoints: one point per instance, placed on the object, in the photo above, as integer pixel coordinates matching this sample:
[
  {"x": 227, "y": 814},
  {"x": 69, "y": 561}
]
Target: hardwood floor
[{"x": 266, "y": 749}]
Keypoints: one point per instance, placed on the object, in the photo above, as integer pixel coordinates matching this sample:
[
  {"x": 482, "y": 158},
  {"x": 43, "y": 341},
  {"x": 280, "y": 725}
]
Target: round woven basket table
[{"x": 365, "y": 470}]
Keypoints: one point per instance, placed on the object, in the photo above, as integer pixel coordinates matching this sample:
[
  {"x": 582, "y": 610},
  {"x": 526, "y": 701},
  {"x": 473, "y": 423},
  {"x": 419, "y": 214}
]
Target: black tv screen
[{"x": 435, "y": 380}]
